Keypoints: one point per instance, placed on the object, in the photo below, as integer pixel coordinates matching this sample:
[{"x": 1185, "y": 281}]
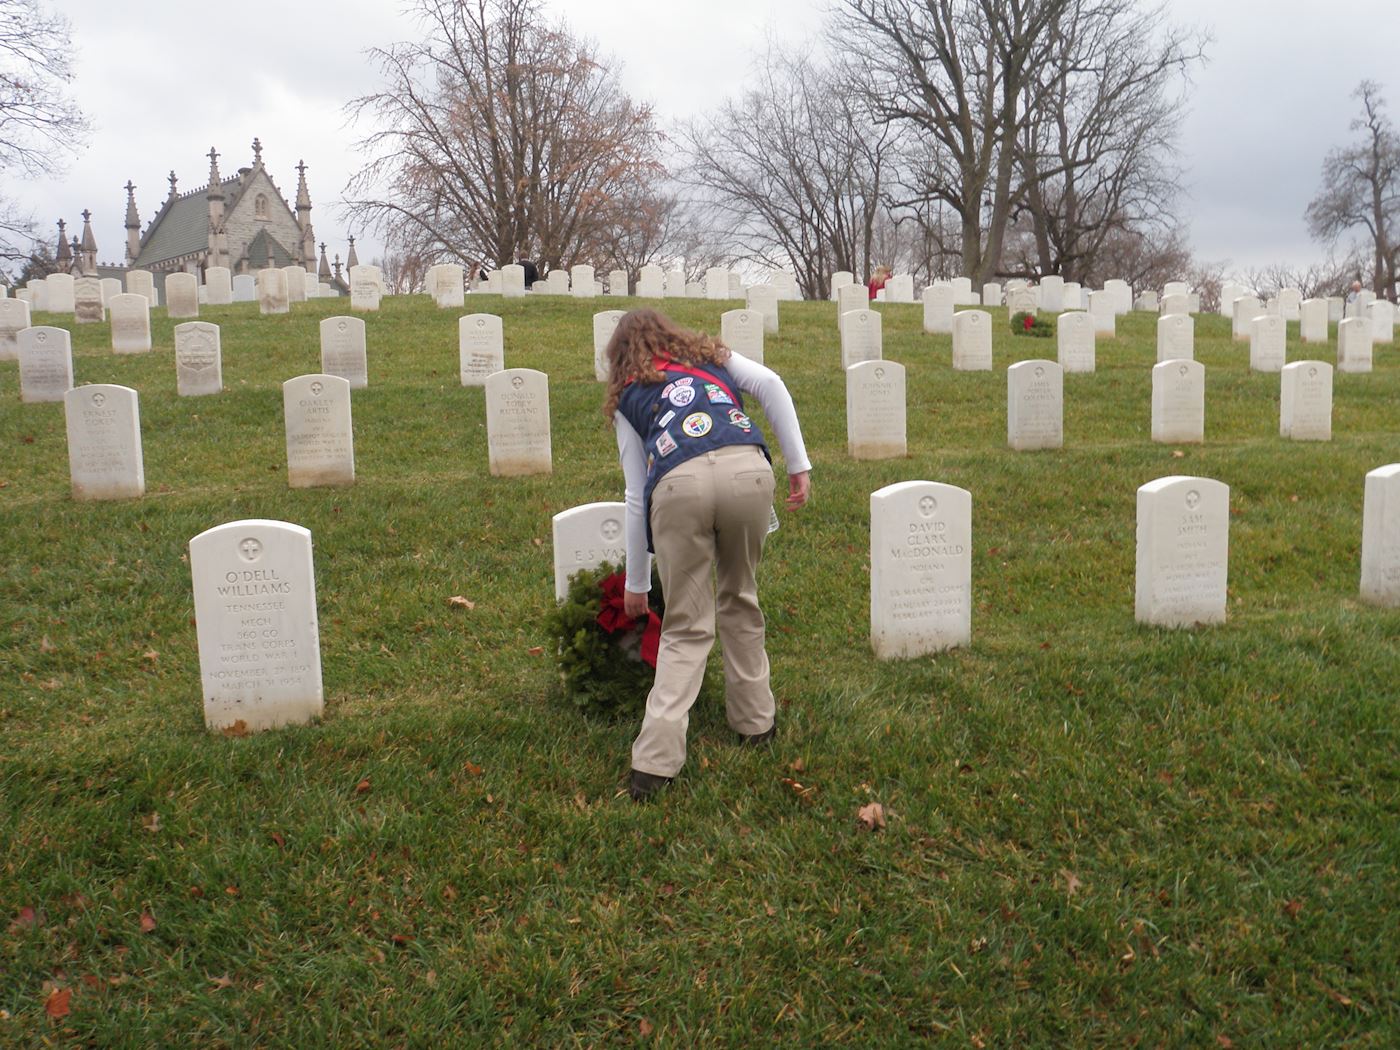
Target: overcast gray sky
[{"x": 166, "y": 79}]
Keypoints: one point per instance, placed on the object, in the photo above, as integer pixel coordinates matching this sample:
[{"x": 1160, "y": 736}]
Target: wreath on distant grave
[
  {"x": 1025, "y": 323},
  {"x": 607, "y": 659}
]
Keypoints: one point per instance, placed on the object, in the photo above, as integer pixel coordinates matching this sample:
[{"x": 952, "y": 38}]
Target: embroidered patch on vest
[
  {"x": 680, "y": 393},
  {"x": 665, "y": 420},
  {"x": 697, "y": 424},
  {"x": 738, "y": 419},
  {"x": 665, "y": 444},
  {"x": 717, "y": 395}
]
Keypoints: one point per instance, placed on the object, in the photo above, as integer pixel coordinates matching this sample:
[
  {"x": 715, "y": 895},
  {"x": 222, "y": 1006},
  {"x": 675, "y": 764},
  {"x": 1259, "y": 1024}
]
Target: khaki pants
[{"x": 708, "y": 514}]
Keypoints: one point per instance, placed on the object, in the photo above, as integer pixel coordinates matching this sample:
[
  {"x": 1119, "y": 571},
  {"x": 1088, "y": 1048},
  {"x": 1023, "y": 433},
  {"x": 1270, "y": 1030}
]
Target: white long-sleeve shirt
[{"x": 767, "y": 387}]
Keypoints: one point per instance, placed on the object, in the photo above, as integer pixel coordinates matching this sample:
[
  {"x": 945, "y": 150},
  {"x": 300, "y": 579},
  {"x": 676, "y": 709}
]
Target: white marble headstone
[
  {"x": 1268, "y": 344},
  {"x": 1354, "y": 346},
  {"x": 1052, "y": 293},
  {"x": 604, "y": 324},
  {"x": 972, "y": 341},
  {"x": 1244, "y": 310},
  {"x": 296, "y": 283},
  {"x": 1380, "y": 537},
  {"x": 581, "y": 281},
  {"x": 131, "y": 323},
  {"x": 1305, "y": 401},
  {"x": 1074, "y": 335},
  {"x": 14, "y": 316},
  {"x": 875, "y": 410},
  {"x": 198, "y": 359},
  {"x": 245, "y": 288},
  {"x": 142, "y": 282},
  {"x": 255, "y": 607},
  {"x": 1122, "y": 293},
  {"x": 104, "y": 442},
  {"x": 511, "y": 280},
  {"x": 938, "y": 308},
  {"x": 1174, "y": 304},
  {"x": 676, "y": 285},
  {"x": 517, "y": 422},
  {"x": 584, "y": 538},
  {"x": 448, "y": 287},
  {"x": 963, "y": 295},
  {"x": 1022, "y": 301},
  {"x": 182, "y": 295},
  {"x": 742, "y": 332},
  {"x": 272, "y": 291},
  {"x": 1183, "y": 548},
  {"x": 88, "y": 306},
  {"x": 840, "y": 279},
  {"x": 1289, "y": 302},
  {"x": 343, "y": 350},
  {"x": 651, "y": 282},
  {"x": 717, "y": 283},
  {"x": 764, "y": 299},
  {"x": 991, "y": 294},
  {"x": 320, "y": 441},
  {"x": 1179, "y": 401},
  {"x": 110, "y": 287},
  {"x": 862, "y": 337},
  {"x": 59, "y": 287},
  {"x": 480, "y": 347},
  {"x": 45, "y": 363},
  {"x": 920, "y": 569},
  {"x": 1312, "y": 320},
  {"x": 366, "y": 288},
  {"x": 851, "y": 297},
  {"x": 1035, "y": 405},
  {"x": 900, "y": 289},
  {"x": 219, "y": 284},
  {"x": 1102, "y": 307},
  {"x": 1381, "y": 314},
  {"x": 617, "y": 282}
]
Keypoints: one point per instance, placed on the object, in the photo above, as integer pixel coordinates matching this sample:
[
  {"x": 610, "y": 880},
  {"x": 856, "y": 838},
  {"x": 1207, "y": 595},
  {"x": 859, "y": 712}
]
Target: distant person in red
[{"x": 882, "y": 274}]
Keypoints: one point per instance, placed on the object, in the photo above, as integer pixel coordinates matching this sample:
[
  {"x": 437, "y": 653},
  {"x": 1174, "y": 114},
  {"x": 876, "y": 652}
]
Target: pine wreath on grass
[
  {"x": 601, "y": 670},
  {"x": 1023, "y": 322}
]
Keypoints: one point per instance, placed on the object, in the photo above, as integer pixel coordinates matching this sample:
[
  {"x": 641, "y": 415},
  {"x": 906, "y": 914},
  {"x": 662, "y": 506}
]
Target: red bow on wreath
[
  {"x": 1028, "y": 322},
  {"x": 612, "y": 618}
]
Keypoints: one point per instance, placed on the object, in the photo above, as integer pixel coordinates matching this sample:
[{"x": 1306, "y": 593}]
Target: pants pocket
[{"x": 753, "y": 483}]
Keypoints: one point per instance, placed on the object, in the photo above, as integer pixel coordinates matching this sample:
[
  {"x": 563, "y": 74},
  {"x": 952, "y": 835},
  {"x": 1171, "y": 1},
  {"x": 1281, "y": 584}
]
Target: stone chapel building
[{"x": 242, "y": 222}]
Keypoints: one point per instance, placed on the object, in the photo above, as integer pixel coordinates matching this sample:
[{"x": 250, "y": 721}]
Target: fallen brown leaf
[
  {"x": 221, "y": 982},
  {"x": 27, "y": 919},
  {"x": 458, "y": 601},
  {"x": 1225, "y": 1041},
  {"x": 872, "y": 816},
  {"x": 239, "y": 728},
  {"x": 1072, "y": 883},
  {"x": 1291, "y": 908},
  {"x": 56, "y": 1005},
  {"x": 46, "y": 646},
  {"x": 148, "y": 922},
  {"x": 362, "y": 786},
  {"x": 151, "y": 823},
  {"x": 276, "y": 837},
  {"x": 803, "y": 792},
  {"x": 644, "y": 1028},
  {"x": 535, "y": 650},
  {"x": 472, "y": 769}
]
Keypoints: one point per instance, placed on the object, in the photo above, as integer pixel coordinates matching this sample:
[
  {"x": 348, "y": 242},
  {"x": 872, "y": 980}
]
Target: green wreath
[
  {"x": 602, "y": 672},
  {"x": 1023, "y": 322}
]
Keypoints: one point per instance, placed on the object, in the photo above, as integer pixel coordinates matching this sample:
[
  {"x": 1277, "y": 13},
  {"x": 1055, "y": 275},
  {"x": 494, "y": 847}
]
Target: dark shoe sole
[
  {"x": 759, "y": 739},
  {"x": 644, "y": 785}
]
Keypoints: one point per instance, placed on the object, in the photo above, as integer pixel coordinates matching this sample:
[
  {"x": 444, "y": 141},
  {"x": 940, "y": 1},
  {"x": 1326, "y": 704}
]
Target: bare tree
[
  {"x": 958, "y": 71},
  {"x": 1329, "y": 276},
  {"x": 404, "y": 271},
  {"x": 499, "y": 137},
  {"x": 1097, "y": 154},
  {"x": 796, "y": 167},
  {"x": 1361, "y": 190},
  {"x": 40, "y": 125}
]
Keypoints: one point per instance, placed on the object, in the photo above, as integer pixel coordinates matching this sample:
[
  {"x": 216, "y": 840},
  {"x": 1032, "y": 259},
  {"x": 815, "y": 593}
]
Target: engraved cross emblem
[
  {"x": 41, "y": 337},
  {"x": 1039, "y": 372},
  {"x": 612, "y": 529},
  {"x": 99, "y": 399},
  {"x": 879, "y": 373},
  {"x": 341, "y": 326},
  {"x": 1182, "y": 371},
  {"x": 316, "y": 388},
  {"x": 481, "y": 322},
  {"x": 1193, "y": 500},
  {"x": 927, "y": 506},
  {"x": 250, "y": 549},
  {"x": 517, "y": 381}
]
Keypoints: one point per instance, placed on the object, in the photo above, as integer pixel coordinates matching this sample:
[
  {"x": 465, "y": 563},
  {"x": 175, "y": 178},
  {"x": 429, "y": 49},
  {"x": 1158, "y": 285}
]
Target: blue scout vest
[{"x": 694, "y": 410}]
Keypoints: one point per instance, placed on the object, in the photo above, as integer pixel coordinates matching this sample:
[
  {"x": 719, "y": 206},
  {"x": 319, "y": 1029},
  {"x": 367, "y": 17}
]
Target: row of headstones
[
  {"x": 653, "y": 282},
  {"x": 88, "y": 298},
  {"x": 941, "y": 300},
  {"x": 1053, "y": 294},
  {"x": 921, "y": 558},
  {"x": 1289, "y": 303},
  {"x": 862, "y": 338},
  {"x": 259, "y": 639},
  {"x": 106, "y": 461},
  {"x": 876, "y": 405},
  {"x": 1315, "y": 316}
]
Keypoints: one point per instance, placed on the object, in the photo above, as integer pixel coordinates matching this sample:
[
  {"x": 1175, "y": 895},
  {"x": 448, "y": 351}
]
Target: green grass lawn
[{"x": 1098, "y": 834}]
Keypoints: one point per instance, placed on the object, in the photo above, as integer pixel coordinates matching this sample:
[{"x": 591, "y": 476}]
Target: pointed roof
[
  {"x": 352, "y": 260},
  {"x": 303, "y": 194},
  {"x": 133, "y": 220},
  {"x": 323, "y": 271},
  {"x": 266, "y": 250},
  {"x": 65, "y": 251},
  {"x": 89, "y": 241}
]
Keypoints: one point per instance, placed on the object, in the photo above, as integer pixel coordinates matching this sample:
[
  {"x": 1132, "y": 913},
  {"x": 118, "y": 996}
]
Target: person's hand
[
  {"x": 799, "y": 488},
  {"x": 634, "y": 604}
]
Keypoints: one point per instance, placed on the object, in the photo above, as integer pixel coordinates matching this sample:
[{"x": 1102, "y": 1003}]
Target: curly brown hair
[{"x": 644, "y": 334}]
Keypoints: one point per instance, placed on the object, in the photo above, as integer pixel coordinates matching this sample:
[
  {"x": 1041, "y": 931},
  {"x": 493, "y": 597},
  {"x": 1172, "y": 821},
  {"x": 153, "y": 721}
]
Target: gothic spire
[
  {"x": 323, "y": 271},
  {"x": 133, "y": 220},
  {"x": 257, "y": 153},
  {"x": 65, "y": 252},
  {"x": 89, "y": 241},
  {"x": 352, "y": 259},
  {"x": 216, "y": 184}
]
